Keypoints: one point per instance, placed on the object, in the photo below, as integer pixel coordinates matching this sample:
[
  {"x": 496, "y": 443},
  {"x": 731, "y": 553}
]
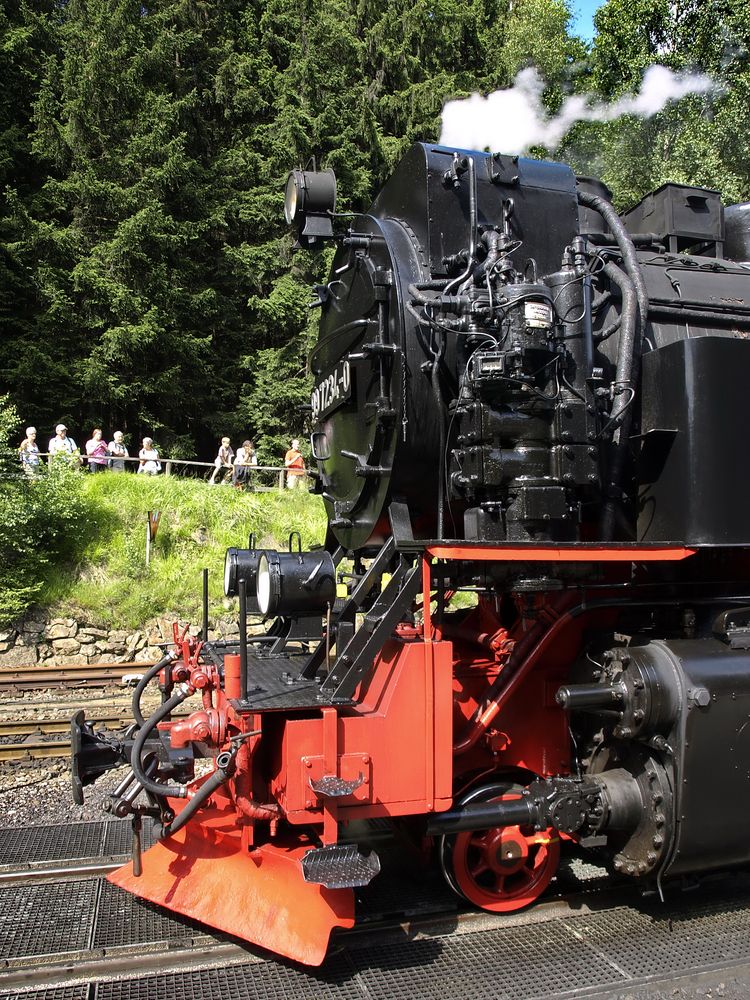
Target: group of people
[
  {"x": 99, "y": 454},
  {"x": 236, "y": 468}
]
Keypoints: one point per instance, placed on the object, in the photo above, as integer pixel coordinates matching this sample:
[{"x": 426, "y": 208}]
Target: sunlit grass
[{"x": 110, "y": 583}]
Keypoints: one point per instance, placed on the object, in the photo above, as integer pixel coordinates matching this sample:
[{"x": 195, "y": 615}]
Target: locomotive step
[
  {"x": 340, "y": 866},
  {"x": 330, "y": 786}
]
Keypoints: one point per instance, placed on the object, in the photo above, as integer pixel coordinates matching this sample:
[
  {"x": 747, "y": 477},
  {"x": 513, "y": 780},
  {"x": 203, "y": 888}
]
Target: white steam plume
[{"x": 513, "y": 120}]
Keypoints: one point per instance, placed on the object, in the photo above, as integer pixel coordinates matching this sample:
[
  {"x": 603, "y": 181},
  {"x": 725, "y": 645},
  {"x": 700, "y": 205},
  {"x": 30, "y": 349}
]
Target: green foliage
[
  {"x": 42, "y": 520},
  {"x": 702, "y": 140},
  {"x": 105, "y": 577},
  {"x": 147, "y": 281}
]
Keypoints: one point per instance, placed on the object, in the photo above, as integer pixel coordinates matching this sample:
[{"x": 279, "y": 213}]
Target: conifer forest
[{"x": 147, "y": 280}]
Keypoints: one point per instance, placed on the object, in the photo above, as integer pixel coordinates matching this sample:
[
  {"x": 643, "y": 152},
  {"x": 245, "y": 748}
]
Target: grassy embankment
[{"x": 109, "y": 583}]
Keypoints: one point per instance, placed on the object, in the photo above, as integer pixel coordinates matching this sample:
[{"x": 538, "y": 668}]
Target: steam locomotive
[{"x": 530, "y": 620}]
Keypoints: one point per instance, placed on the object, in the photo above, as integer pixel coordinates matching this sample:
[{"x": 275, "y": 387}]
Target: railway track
[
  {"x": 63, "y": 925},
  {"x": 566, "y": 947},
  {"x": 34, "y": 747},
  {"x": 48, "y": 727},
  {"x": 34, "y": 750},
  {"x": 88, "y": 675}
]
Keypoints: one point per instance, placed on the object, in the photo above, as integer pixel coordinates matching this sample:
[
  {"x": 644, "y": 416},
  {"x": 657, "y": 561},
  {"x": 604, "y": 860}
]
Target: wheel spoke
[{"x": 479, "y": 868}]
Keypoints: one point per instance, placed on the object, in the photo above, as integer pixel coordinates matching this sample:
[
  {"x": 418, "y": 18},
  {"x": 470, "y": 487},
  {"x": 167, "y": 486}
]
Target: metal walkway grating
[
  {"x": 83, "y": 992},
  {"x": 68, "y": 842},
  {"x": 703, "y": 935},
  {"x": 568, "y": 957},
  {"x": 46, "y": 918},
  {"x": 123, "y": 919},
  {"x": 266, "y": 981},
  {"x": 508, "y": 964},
  {"x": 118, "y": 837},
  {"x": 32, "y": 844}
]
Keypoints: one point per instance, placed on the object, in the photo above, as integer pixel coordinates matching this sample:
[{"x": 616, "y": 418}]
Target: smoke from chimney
[{"x": 513, "y": 120}]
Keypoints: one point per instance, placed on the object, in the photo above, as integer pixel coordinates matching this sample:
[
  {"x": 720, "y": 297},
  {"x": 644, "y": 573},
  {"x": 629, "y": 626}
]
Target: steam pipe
[
  {"x": 626, "y": 347},
  {"x": 441, "y": 461},
  {"x": 503, "y": 685},
  {"x": 143, "y": 683},
  {"x": 621, "y": 413},
  {"x": 627, "y": 249},
  {"x": 156, "y": 788},
  {"x": 473, "y": 230}
]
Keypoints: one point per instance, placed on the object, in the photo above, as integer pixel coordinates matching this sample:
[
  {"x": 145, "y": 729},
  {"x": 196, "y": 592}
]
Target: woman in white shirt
[
  {"x": 149, "y": 457},
  {"x": 118, "y": 452}
]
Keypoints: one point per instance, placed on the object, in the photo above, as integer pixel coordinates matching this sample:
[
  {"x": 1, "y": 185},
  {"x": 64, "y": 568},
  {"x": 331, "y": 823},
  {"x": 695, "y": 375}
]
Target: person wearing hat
[{"x": 63, "y": 445}]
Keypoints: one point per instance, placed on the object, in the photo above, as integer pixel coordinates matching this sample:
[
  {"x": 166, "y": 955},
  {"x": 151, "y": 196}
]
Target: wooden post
[
  {"x": 281, "y": 481},
  {"x": 168, "y": 469}
]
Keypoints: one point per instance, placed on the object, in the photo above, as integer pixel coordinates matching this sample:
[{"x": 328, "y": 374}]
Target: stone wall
[{"x": 58, "y": 641}]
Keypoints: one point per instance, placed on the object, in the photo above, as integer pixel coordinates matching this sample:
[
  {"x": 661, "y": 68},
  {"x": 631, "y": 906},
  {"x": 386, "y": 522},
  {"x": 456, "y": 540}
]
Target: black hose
[
  {"x": 441, "y": 460},
  {"x": 145, "y": 681},
  {"x": 626, "y": 346},
  {"x": 621, "y": 413},
  {"x": 155, "y": 787},
  {"x": 624, "y": 241},
  {"x": 220, "y": 776}
]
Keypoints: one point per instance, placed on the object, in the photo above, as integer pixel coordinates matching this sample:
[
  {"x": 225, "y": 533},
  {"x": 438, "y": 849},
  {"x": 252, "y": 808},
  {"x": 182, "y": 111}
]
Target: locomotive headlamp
[
  {"x": 295, "y": 583},
  {"x": 242, "y": 564},
  {"x": 309, "y": 201}
]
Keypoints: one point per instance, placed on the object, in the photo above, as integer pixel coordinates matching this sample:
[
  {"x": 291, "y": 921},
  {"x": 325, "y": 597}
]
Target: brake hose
[
  {"x": 143, "y": 683},
  {"x": 156, "y": 788}
]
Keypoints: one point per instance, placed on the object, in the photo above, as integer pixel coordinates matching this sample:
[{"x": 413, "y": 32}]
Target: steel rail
[
  {"x": 35, "y": 750},
  {"x": 46, "y": 727},
  {"x": 69, "y": 675}
]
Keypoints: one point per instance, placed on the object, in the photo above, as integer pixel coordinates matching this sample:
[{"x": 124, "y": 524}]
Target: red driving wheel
[{"x": 501, "y": 869}]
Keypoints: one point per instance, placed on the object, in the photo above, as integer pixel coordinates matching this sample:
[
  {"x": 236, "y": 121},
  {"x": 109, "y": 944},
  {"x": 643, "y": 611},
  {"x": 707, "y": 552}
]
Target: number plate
[{"x": 332, "y": 391}]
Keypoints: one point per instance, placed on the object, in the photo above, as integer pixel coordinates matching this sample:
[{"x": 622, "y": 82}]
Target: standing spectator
[
  {"x": 63, "y": 445},
  {"x": 28, "y": 452},
  {"x": 149, "y": 457},
  {"x": 96, "y": 449},
  {"x": 243, "y": 463},
  {"x": 223, "y": 460},
  {"x": 118, "y": 452},
  {"x": 295, "y": 466}
]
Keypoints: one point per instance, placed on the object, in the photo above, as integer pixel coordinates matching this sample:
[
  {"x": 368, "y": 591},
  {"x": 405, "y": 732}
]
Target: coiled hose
[
  {"x": 155, "y": 787},
  {"x": 143, "y": 683}
]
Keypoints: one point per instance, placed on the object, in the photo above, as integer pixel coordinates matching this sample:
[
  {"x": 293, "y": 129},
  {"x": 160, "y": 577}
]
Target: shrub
[{"x": 40, "y": 521}]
